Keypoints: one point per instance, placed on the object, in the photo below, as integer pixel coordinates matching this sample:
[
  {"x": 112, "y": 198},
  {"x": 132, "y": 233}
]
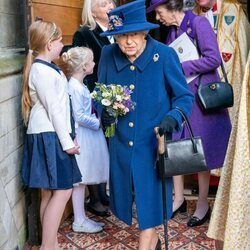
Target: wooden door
[{"x": 65, "y": 13}]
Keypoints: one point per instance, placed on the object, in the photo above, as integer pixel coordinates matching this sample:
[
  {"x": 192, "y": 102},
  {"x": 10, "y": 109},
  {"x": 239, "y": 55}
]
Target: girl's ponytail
[
  {"x": 40, "y": 33},
  {"x": 26, "y": 101}
]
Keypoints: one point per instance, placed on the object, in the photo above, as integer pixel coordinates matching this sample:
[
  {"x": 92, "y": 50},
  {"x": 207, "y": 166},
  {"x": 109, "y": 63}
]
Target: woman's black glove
[
  {"x": 106, "y": 118},
  {"x": 167, "y": 125}
]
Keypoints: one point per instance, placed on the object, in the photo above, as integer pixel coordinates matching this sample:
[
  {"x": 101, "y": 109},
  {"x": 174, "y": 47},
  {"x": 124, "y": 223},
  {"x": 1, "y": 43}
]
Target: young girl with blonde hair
[
  {"x": 48, "y": 159},
  {"x": 94, "y": 159},
  {"x": 94, "y": 22}
]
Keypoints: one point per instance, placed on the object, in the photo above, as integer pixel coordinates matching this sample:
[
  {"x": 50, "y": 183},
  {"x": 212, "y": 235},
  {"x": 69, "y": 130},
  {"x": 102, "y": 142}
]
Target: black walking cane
[{"x": 161, "y": 151}]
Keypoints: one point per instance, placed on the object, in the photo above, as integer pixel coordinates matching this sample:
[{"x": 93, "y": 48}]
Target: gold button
[
  {"x": 132, "y": 86},
  {"x": 131, "y": 124},
  {"x": 132, "y": 67},
  {"x": 130, "y": 143}
]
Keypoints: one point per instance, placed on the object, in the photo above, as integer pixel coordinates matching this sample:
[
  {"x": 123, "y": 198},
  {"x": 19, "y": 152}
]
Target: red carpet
[{"x": 117, "y": 236}]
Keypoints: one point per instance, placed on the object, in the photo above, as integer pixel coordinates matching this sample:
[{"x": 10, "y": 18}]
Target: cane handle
[{"x": 161, "y": 141}]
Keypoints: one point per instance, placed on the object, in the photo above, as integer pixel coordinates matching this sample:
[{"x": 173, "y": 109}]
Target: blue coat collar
[{"x": 121, "y": 61}]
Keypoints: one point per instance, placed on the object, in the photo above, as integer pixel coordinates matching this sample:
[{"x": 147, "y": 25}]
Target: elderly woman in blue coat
[
  {"x": 213, "y": 127},
  {"x": 154, "y": 71}
]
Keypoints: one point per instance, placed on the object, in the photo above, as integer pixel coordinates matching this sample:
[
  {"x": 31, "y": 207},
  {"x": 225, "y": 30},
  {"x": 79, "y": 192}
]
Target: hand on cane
[{"x": 167, "y": 125}]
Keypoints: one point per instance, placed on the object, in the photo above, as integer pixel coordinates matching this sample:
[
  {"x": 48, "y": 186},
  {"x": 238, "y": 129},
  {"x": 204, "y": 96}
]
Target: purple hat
[{"x": 154, "y": 4}]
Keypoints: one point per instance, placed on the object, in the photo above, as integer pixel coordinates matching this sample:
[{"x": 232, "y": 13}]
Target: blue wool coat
[
  {"x": 213, "y": 127},
  {"x": 159, "y": 85}
]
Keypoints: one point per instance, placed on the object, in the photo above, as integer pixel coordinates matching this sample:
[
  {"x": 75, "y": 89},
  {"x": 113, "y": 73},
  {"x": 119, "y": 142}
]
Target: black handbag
[
  {"x": 216, "y": 95},
  {"x": 184, "y": 156}
]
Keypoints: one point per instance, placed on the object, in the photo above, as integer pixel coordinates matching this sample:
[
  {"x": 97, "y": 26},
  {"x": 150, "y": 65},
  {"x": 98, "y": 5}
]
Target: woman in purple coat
[{"x": 213, "y": 127}]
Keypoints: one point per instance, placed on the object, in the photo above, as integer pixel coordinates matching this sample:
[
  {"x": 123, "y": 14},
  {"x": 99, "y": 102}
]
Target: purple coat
[{"x": 215, "y": 127}]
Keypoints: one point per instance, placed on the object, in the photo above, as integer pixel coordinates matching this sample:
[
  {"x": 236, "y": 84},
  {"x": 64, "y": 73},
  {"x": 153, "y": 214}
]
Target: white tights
[{"x": 78, "y": 197}]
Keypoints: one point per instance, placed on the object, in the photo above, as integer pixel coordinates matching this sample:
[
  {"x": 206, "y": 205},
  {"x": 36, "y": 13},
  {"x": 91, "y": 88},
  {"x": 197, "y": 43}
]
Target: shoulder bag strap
[
  {"x": 222, "y": 65},
  {"x": 224, "y": 72}
]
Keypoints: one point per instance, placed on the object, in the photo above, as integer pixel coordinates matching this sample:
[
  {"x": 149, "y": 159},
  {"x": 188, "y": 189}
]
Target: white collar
[
  {"x": 111, "y": 38},
  {"x": 102, "y": 27}
]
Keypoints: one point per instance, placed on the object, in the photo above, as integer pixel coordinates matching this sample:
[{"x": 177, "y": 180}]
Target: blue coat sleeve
[{"x": 80, "y": 104}]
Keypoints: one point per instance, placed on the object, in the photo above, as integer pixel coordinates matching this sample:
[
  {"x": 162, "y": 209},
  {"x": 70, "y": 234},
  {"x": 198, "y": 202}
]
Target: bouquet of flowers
[{"x": 116, "y": 99}]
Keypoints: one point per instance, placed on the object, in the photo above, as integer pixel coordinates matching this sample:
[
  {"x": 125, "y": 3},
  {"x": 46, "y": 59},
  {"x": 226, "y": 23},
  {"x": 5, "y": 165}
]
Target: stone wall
[{"x": 12, "y": 199}]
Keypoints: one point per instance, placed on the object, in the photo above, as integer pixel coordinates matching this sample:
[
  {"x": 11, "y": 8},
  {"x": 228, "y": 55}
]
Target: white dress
[{"x": 93, "y": 160}]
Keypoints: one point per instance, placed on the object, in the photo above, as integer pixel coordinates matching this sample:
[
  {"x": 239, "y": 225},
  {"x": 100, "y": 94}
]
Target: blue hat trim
[
  {"x": 128, "y": 18},
  {"x": 115, "y": 22}
]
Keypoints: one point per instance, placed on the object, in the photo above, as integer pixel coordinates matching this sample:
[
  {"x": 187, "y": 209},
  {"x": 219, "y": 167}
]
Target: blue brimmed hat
[
  {"x": 154, "y": 3},
  {"x": 128, "y": 18}
]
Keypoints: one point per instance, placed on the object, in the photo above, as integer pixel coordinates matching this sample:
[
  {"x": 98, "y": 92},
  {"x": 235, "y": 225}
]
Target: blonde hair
[
  {"x": 87, "y": 13},
  {"x": 76, "y": 57},
  {"x": 40, "y": 33}
]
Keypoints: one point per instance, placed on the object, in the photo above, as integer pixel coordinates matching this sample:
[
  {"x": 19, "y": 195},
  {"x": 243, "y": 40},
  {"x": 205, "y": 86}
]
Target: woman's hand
[
  {"x": 167, "y": 125},
  {"x": 107, "y": 119},
  {"x": 74, "y": 150}
]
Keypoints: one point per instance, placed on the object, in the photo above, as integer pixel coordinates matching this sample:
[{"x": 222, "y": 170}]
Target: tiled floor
[{"x": 117, "y": 236}]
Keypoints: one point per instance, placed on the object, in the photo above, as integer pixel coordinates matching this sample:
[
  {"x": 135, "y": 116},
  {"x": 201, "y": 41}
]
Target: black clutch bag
[
  {"x": 184, "y": 156},
  {"x": 216, "y": 95}
]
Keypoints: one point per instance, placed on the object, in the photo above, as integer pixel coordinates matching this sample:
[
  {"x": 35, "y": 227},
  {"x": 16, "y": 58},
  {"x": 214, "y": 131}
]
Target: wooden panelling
[
  {"x": 66, "y": 3},
  {"x": 68, "y": 18}
]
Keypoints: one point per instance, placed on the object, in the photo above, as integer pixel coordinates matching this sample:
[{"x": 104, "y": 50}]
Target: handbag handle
[
  {"x": 189, "y": 129},
  {"x": 223, "y": 72}
]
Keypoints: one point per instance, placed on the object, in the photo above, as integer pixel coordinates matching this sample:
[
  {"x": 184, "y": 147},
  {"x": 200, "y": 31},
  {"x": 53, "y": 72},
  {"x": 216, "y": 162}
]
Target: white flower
[
  {"x": 118, "y": 98},
  {"x": 105, "y": 94},
  {"x": 106, "y": 102},
  {"x": 93, "y": 94}
]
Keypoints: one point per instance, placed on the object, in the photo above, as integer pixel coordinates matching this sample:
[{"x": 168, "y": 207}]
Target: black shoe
[
  {"x": 96, "y": 212},
  {"x": 195, "y": 221},
  {"x": 105, "y": 200},
  {"x": 158, "y": 245},
  {"x": 181, "y": 209},
  {"x": 103, "y": 194}
]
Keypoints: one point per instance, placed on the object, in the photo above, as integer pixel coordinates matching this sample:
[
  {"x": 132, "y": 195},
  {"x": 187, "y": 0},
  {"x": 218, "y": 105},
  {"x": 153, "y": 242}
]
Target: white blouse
[{"x": 50, "y": 103}]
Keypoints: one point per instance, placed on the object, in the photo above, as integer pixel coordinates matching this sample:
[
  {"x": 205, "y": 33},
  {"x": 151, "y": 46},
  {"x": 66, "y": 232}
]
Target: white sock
[{"x": 78, "y": 195}]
